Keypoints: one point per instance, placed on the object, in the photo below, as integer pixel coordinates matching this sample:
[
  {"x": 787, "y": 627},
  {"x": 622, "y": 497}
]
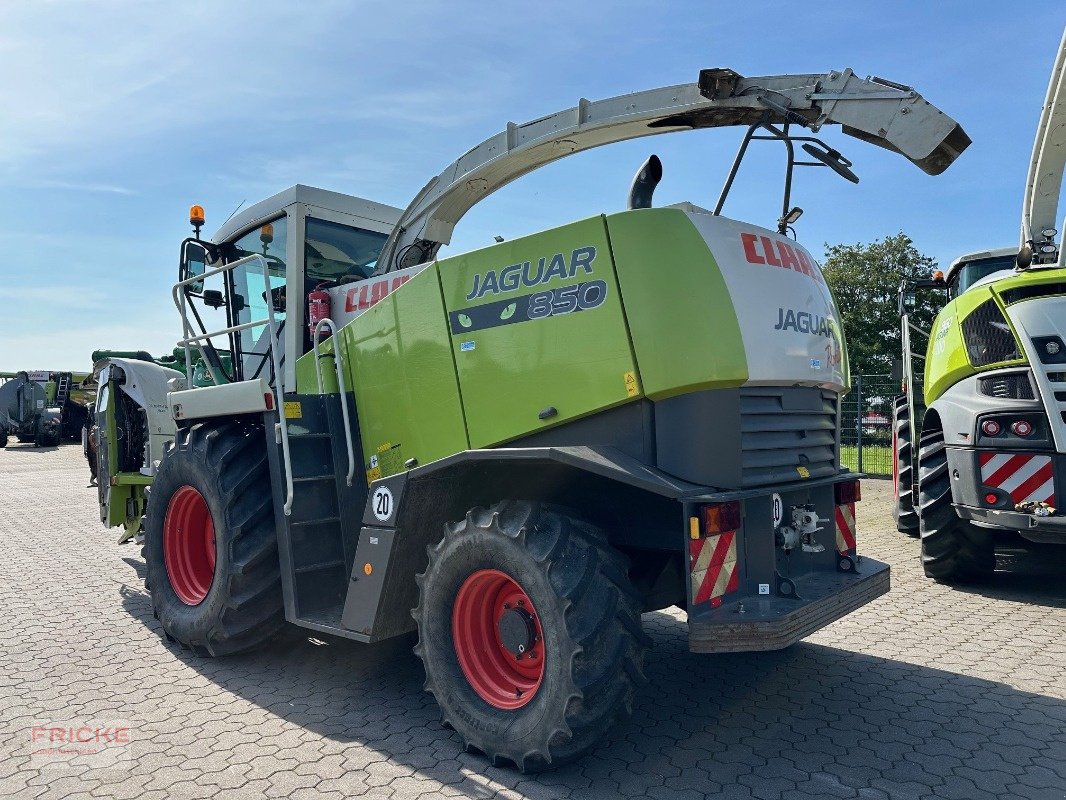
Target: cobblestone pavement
[{"x": 929, "y": 692}]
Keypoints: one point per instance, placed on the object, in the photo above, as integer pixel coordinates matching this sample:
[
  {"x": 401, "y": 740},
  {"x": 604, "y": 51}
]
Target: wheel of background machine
[
  {"x": 953, "y": 549},
  {"x": 903, "y": 511},
  {"x": 210, "y": 544},
  {"x": 529, "y": 631},
  {"x": 3, "y": 439}
]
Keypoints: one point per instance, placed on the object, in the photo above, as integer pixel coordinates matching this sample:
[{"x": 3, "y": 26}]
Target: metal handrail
[
  {"x": 917, "y": 328},
  {"x": 189, "y": 338},
  {"x": 340, "y": 385},
  {"x": 187, "y": 330}
]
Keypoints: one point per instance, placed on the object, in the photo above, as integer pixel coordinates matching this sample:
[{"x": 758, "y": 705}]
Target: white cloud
[
  {"x": 69, "y": 347},
  {"x": 74, "y": 186}
]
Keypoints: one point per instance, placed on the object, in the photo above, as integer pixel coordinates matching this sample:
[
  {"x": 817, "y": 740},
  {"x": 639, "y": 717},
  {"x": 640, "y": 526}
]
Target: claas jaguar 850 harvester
[{"x": 518, "y": 450}]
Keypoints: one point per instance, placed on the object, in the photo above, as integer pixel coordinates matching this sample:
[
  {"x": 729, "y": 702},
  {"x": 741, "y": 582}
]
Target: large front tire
[
  {"x": 904, "y": 513},
  {"x": 210, "y": 544},
  {"x": 554, "y": 658},
  {"x": 953, "y": 549}
]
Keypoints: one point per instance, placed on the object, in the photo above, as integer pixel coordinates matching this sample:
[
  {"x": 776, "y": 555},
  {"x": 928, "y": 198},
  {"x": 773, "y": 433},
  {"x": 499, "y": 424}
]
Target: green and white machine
[
  {"x": 518, "y": 450},
  {"x": 130, "y": 426},
  {"x": 28, "y": 410},
  {"x": 989, "y": 466},
  {"x": 42, "y": 406}
]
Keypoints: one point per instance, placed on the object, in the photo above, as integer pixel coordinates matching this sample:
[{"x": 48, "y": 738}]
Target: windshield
[
  {"x": 340, "y": 253},
  {"x": 252, "y": 294},
  {"x": 972, "y": 272}
]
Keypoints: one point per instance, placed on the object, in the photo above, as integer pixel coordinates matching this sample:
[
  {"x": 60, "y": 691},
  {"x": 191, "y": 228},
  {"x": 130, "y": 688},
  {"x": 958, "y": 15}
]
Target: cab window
[
  {"x": 251, "y": 294},
  {"x": 339, "y": 253},
  {"x": 971, "y": 273}
]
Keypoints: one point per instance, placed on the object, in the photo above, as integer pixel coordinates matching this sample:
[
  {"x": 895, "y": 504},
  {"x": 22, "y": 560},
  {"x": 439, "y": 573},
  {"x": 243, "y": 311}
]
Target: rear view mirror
[
  {"x": 193, "y": 263},
  {"x": 832, "y": 159}
]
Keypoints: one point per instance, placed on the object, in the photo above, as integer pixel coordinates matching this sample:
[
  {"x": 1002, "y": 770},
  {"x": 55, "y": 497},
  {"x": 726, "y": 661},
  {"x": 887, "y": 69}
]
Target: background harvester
[
  {"x": 42, "y": 407},
  {"x": 518, "y": 450},
  {"x": 986, "y": 387}
]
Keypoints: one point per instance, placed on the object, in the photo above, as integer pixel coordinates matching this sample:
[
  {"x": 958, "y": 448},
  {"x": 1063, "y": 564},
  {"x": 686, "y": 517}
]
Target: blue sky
[{"x": 118, "y": 115}]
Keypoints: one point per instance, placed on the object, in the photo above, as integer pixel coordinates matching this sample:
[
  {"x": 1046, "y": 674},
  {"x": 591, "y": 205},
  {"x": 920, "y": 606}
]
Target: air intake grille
[
  {"x": 1012, "y": 386},
  {"x": 988, "y": 337},
  {"x": 783, "y": 429}
]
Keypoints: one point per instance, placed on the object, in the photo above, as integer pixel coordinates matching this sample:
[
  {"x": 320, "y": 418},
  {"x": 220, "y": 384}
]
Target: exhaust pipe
[{"x": 644, "y": 183}]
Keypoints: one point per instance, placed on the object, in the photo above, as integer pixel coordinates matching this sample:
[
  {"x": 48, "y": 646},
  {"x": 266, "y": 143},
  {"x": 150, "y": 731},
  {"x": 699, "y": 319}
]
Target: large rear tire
[
  {"x": 210, "y": 544},
  {"x": 529, "y": 631},
  {"x": 953, "y": 549},
  {"x": 904, "y": 513}
]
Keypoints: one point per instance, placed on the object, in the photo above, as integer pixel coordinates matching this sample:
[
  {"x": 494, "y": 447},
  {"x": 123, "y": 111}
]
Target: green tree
[{"x": 865, "y": 280}]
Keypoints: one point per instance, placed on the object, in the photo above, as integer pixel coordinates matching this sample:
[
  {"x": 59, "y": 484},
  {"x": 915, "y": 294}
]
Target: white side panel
[
  {"x": 353, "y": 299},
  {"x": 1044, "y": 317},
  {"x": 146, "y": 384},
  {"x": 790, "y": 324},
  {"x": 227, "y": 400}
]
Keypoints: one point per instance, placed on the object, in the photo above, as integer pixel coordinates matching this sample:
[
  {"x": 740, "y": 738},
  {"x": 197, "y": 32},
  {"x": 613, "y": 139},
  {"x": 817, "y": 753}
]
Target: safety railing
[
  {"x": 913, "y": 386},
  {"x": 191, "y": 339},
  {"x": 340, "y": 384}
]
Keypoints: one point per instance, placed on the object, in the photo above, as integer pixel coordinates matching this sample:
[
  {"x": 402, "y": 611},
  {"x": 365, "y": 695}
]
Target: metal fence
[{"x": 866, "y": 424}]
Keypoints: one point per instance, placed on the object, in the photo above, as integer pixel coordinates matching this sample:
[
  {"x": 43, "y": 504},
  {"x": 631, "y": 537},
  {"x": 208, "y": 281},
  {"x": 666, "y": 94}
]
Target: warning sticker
[
  {"x": 632, "y": 387},
  {"x": 293, "y": 409}
]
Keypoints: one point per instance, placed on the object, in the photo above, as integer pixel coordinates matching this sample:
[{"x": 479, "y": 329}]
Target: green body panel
[
  {"x": 512, "y": 368},
  {"x": 483, "y": 348},
  {"x": 676, "y": 302},
  {"x": 397, "y": 357},
  {"x": 307, "y": 379},
  {"x": 947, "y": 361},
  {"x": 118, "y": 494},
  {"x": 131, "y": 479}
]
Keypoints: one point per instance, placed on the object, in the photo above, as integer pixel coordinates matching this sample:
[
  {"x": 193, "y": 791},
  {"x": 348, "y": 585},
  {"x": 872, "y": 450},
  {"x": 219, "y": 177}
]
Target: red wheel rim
[
  {"x": 500, "y": 677},
  {"x": 189, "y": 546}
]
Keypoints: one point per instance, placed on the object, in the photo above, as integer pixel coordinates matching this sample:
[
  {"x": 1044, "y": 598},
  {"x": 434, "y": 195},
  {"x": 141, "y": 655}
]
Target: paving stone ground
[{"x": 929, "y": 692}]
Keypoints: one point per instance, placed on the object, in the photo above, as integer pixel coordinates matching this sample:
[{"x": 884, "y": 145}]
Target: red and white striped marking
[
  {"x": 1026, "y": 478},
  {"x": 713, "y": 563},
  {"x": 845, "y": 524}
]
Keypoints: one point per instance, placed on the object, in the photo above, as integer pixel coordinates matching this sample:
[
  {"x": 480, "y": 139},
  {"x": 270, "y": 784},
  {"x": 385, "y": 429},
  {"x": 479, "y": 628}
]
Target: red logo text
[
  {"x": 764, "y": 250},
  {"x": 362, "y": 296}
]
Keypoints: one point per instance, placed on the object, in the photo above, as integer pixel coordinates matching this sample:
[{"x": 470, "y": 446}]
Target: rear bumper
[
  {"x": 751, "y": 623},
  {"x": 1051, "y": 530}
]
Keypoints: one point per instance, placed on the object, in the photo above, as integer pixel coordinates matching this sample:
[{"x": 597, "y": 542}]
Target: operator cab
[
  {"x": 331, "y": 238},
  {"x": 983, "y": 267}
]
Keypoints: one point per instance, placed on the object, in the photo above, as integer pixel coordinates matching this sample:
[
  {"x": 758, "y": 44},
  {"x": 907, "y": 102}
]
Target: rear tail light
[
  {"x": 720, "y": 517},
  {"x": 847, "y": 492},
  {"x": 268, "y": 399},
  {"x": 990, "y": 427},
  {"x": 1021, "y": 428}
]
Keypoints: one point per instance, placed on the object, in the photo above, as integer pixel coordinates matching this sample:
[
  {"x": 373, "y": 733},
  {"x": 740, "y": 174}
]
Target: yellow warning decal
[
  {"x": 632, "y": 387},
  {"x": 293, "y": 409},
  {"x": 373, "y": 474},
  {"x": 383, "y": 447},
  {"x": 803, "y": 472}
]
